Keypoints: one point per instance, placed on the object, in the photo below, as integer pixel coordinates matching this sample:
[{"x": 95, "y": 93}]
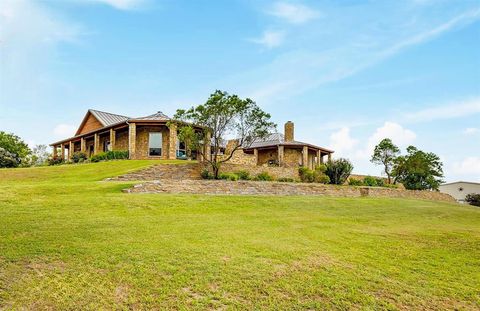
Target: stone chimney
[{"x": 289, "y": 131}]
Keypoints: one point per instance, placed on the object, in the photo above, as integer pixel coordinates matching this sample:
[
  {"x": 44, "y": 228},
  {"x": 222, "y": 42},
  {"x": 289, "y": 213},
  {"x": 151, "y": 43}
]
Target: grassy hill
[{"x": 69, "y": 240}]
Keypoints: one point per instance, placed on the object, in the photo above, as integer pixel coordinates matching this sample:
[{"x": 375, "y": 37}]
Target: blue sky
[{"x": 348, "y": 73}]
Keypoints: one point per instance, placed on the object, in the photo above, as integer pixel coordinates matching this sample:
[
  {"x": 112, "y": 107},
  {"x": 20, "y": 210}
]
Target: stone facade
[
  {"x": 141, "y": 142},
  {"x": 121, "y": 140}
]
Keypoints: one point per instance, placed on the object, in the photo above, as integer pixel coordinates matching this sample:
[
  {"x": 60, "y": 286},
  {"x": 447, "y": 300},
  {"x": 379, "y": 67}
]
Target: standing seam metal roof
[{"x": 108, "y": 118}]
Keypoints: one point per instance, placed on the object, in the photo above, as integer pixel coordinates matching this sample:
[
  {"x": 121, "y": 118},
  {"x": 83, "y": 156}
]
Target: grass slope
[{"x": 70, "y": 241}]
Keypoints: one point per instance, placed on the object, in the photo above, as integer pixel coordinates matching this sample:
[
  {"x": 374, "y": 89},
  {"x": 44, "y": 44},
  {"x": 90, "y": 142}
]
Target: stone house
[
  {"x": 150, "y": 137},
  {"x": 155, "y": 137},
  {"x": 280, "y": 150}
]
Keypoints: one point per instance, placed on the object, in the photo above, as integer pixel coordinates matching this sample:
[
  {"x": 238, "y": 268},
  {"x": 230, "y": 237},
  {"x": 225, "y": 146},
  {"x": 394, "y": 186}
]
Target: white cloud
[
  {"x": 469, "y": 166},
  {"x": 293, "y": 13},
  {"x": 342, "y": 142},
  {"x": 400, "y": 136},
  {"x": 122, "y": 4},
  {"x": 453, "y": 110},
  {"x": 64, "y": 130},
  {"x": 471, "y": 131},
  {"x": 270, "y": 39},
  {"x": 324, "y": 55}
]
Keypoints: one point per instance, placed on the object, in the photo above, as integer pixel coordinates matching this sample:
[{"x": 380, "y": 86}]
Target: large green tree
[
  {"x": 14, "y": 149},
  {"x": 418, "y": 170},
  {"x": 223, "y": 116},
  {"x": 385, "y": 154}
]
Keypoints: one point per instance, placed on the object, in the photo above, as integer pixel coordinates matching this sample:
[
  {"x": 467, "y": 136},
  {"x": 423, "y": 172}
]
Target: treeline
[{"x": 14, "y": 152}]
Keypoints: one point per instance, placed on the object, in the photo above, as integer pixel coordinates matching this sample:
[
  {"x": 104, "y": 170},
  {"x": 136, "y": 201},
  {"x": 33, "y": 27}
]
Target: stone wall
[
  {"x": 121, "y": 140},
  {"x": 222, "y": 187}
]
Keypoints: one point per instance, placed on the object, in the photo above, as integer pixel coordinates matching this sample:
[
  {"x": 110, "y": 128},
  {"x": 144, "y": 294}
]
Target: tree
[
  {"x": 8, "y": 159},
  {"x": 473, "y": 199},
  {"x": 418, "y": 170},
  {"x": 16, "y": 148},
  {"x": 385, "y": 154},
  {"x": 40, "y": 155},
  {"x": 338, "y": 171},
  {"x": 222, "y": 116}
]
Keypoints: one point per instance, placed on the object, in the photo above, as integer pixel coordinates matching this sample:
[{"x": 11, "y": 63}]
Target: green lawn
[{"x": 71, "y": 241}]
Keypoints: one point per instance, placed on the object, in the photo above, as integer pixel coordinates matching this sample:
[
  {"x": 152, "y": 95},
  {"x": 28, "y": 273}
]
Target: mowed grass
[{"x": 69, "y": 240}]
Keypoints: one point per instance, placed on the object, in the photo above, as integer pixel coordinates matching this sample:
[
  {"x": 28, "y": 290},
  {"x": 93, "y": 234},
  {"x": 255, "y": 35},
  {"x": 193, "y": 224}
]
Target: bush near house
[
  {"x": 228, "y": 176},
  {"x": 473, "y": 199},
  {"x": 338, "y": 170},
  {"x": 243, "y": 175},
  {"x": 317, "y": 175},
  {"x": 109, "y": 155},
  {"x": 55, "y": 161},
  {"x": 79, "y": 157},
  {"x": 264, "y": 176}
]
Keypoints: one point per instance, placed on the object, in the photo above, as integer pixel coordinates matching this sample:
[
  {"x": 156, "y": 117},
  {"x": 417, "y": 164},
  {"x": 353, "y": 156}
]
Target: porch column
[
  {"x": 208, "y": 146},
  {"x": 55, "y": 151},
  {"x": 112, "y": 139},
  {"x": 329, "y": 157},
  {"x": 82, "y": 145},
  {"x": 319, "y": 157},
  {"x": 305, "y": 156},
  {"x": 70, "y": 150},
  {"x": 96, "y": 143},
  {"x": 255, "y": 153},
  {"x": 63, "y": 151},
  {"x": 281, "y": 155},
  {"x": 172, "y": 141},
  {"x": 132, "y": 137}
]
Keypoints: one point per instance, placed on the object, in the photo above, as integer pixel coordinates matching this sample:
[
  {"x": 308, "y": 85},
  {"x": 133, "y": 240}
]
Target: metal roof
[
  {"x": 159, "y": 116},
  {"x": 107, "y": 118},
  {"x": 276, "y": 139}
]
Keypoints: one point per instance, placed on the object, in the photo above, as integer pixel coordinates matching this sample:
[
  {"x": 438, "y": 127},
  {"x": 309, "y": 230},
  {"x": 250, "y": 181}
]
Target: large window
[{"x": 155, "y": 144}]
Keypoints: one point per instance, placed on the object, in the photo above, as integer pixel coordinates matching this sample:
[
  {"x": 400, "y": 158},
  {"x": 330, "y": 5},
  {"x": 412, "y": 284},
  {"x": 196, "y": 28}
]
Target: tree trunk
[{"x": 216, "y": 170}]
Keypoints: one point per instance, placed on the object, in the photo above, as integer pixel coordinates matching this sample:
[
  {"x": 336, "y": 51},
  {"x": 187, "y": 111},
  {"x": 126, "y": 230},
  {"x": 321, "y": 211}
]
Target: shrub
[
  {"x": 306, "y": 174},
  {"x": 109, "y": 155},
  {"x": 205, "y": 174},
  {"x": 355, "y": 182},
  {"x": 98, "y": 157},
  {"x": 264, "y": 176},
  {"x": 320, "y": 177},
  {"x": 338, "y": 171},
  {"x": 473, "y": 199},
  {"x": 380, "y": 182},
  {"x": 321, "y": 168},
  {"x": 116, "y": 155},
  {"x": 243, "y": 175},
  {"x": 285, "y": 179},
  {"x": 370, "y": 181},
  {"x": 228, "y": 176},
  {"x": 79, "y": 157},
  {"x": 55, "y": 161}
]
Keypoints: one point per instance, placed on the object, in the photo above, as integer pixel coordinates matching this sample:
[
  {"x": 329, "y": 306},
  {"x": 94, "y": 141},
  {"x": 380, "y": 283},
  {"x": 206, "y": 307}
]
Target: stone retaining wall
[{"x": 222, "y": 187}]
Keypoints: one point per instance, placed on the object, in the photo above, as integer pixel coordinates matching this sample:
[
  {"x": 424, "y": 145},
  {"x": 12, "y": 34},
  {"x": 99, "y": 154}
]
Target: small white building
[{"x": 460, "y": 189}]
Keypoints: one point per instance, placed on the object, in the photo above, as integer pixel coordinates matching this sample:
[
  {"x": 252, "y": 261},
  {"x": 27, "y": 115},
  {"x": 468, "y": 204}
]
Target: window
[
  {"x": 155, "y": 144},
  {"x": 181, "y": 151}
]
